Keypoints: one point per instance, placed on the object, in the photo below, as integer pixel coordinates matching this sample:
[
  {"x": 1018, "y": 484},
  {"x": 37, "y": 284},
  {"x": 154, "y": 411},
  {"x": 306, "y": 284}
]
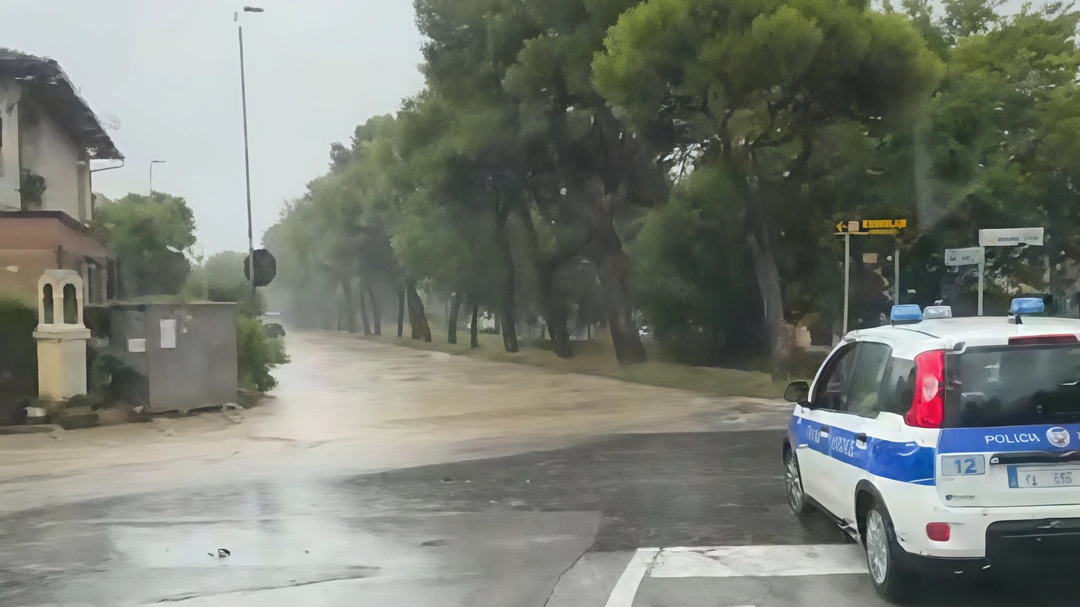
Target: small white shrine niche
[{"x": 61, "y": 336}]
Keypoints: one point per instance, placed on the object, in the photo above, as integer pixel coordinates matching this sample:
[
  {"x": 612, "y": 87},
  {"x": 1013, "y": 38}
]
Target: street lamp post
[
  {"x": 152, "y": 163},
  {"x": 247, "y": 162}
]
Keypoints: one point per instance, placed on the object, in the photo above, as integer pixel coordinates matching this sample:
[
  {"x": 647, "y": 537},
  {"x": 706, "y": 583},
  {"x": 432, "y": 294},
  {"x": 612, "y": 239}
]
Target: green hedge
[
  {"x": 18, "y": 349},
  {"x": 257, "y": 354}
]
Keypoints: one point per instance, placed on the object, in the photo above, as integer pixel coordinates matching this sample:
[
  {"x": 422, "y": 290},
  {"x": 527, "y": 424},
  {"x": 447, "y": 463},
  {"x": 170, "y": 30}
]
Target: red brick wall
[{"x": 29, "y": 246}]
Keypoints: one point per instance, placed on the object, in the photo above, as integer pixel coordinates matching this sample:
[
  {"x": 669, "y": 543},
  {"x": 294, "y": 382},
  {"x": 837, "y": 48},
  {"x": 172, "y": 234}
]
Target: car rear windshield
[{"x": 1013, "y": 386}]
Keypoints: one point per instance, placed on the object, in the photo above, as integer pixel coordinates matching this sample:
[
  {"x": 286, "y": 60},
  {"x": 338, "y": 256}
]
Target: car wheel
[
  {"x": 793, "y": 486},
  {"x": 891, "y": 580}
]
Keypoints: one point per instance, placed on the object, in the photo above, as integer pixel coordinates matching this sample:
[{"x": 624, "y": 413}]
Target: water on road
[
  {"x": 348, "y": 406},
  {"x": 378, "y": 475}
]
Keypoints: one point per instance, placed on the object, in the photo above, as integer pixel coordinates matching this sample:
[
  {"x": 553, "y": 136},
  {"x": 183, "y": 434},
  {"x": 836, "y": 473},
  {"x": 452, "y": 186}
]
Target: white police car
[{"x": 948, "y": 442}]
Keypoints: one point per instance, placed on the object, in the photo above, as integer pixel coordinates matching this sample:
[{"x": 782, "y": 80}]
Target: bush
[
  {"x": 111, "y": 379},
  {"x": 18, "y": 356},
  {"x": 257, "y": 355},
  {"x": 241, "y": 295}
]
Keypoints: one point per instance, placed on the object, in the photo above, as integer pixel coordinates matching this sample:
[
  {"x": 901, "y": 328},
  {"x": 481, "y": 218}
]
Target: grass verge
[{"x": 598, "y": 358}]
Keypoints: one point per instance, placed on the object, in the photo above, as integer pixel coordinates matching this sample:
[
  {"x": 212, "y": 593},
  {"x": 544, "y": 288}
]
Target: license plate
[{"x": 1022, "y": 477}]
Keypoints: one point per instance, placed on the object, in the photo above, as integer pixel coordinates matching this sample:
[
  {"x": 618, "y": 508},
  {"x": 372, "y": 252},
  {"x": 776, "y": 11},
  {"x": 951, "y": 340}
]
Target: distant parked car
[{"x": 272, "y": 324}]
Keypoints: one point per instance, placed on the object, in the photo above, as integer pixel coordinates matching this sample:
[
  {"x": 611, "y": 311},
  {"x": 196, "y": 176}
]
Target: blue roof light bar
[
  {"x": 907, "y": 313},
  {"x": 1027, "y": 305}
]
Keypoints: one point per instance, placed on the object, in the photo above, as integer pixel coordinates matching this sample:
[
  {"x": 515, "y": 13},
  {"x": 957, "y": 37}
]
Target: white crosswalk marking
[
  {"x": 733, "y": 562},
  {"x": 626, "y": 588},
  {"x": 758, "y": 561}
]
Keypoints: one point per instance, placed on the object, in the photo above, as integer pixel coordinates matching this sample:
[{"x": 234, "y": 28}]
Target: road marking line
[
  {"x": 626, "y": 588},
  {"x": 758, "y": 561}
]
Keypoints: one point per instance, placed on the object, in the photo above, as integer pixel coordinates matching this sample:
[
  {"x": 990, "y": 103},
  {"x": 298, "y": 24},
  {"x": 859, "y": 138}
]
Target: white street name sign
[
  {"x": 1011, "y": 237},
  {"x": 963, "y": 257}
]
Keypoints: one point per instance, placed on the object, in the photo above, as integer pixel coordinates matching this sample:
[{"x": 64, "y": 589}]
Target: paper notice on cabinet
[{"x": 168, "y": 334}]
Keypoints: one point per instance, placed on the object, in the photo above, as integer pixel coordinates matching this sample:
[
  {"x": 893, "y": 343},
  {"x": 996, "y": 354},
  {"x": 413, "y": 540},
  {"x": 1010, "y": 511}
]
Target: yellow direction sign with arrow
[{"x": 871, "y": 226}]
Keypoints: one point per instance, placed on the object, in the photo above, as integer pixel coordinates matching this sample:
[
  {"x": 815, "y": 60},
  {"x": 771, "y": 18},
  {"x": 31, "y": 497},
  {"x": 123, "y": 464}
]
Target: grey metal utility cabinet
[{"x": 183, "y": 354}]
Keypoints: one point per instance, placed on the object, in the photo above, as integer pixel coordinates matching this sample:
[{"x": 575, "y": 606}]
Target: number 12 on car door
[{"x": 963, "y": 465}]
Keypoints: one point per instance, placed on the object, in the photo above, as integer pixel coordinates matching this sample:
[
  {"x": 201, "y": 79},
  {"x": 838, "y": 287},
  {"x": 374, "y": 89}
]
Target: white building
[{"x": 48, "y": 138}]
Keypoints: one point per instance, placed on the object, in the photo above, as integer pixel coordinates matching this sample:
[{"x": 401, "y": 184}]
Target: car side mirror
[{"x": 797, "y": 392}]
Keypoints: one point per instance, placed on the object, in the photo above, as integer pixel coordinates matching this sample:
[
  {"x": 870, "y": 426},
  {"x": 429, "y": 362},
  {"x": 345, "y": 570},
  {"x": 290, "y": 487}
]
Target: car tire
[
  {"x": 892, "y": 581},
  {"x": 793, "y": 487}
]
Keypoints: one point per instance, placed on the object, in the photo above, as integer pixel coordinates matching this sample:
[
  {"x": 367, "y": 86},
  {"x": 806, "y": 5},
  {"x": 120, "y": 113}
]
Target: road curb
[{"x": 31, "y": 429}]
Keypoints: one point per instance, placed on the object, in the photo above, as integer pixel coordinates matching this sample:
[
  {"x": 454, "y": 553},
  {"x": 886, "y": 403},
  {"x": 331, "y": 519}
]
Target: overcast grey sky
[{"x": 169, "y": 71}]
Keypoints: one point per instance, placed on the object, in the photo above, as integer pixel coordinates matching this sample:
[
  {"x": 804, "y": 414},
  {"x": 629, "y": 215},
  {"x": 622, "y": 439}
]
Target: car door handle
[
  {"x": 824, "y": 428},
  {"x": 860, "y": 437}
]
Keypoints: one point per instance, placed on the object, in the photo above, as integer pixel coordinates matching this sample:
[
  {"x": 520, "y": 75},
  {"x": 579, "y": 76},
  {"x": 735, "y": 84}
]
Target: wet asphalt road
[
  {"x": 517, "y": 515},
  {"x": 496, "y": 532}
]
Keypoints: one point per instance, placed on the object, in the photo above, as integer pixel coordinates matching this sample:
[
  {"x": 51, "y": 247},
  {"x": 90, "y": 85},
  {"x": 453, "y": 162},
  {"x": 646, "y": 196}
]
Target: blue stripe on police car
[{"x": 907, "y": 462}]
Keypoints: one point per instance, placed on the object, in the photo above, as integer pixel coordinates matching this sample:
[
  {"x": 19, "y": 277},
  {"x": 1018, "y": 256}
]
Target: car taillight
[
  {"x": 928, "y": 404},
  {"x": 938, "y": 532}
]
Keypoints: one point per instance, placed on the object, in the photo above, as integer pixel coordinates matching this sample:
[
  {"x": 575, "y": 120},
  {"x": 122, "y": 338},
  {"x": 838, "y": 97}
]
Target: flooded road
[
  {"x": 135, "y": 514},
  {"x": 346, "y": 406},
  {"x": 497, "y": 532},
  {"x": 379, "y": 475}
]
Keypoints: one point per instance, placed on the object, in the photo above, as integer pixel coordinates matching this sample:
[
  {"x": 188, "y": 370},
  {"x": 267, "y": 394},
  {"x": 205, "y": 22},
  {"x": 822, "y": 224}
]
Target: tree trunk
[
  {"x": 559, "y": 332},
  {"x": 554, "y": 304},
  {"x": 350, "y": 314},
  {"x": 474, "y": 331},
  {"x": 613, "y": 270},
  {"x": 363, "y": 310},
  {"x": 451, "y": 324},
  {"x": 376, "y": 314},
  {"x": 509, "y": 324},
  {"x": 417, "y": 318},
  {"x": 401, "y": 312},
  {"x": 556, "y": 316},
  {"x": 768, "y": 279}
]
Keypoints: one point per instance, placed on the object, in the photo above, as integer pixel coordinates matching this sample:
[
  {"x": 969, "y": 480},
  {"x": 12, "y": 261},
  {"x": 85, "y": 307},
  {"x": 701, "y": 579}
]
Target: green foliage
[
  {"x": 107, "y": 374},
  {"x": 94, "y": 401},
  {"x": 776, "y": 95},
  {"x": 257, "y": 355},
  {"x": 194, "y": 287},
  {"x": 18, "y": 354},
  {"x": 151, "y": 236},
  {"x": 338, "y": 235},
  {"x": 700, "y": 151},
  {"x": 693, "y": 278},
  {"x": 225, "y": 281},
  {"x": 225, "y": 270}
]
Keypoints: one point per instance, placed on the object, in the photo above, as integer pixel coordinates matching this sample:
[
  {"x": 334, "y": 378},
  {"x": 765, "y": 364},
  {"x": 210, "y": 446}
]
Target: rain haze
[
  {"x": 170, "y": 74},
  {"x": 556, "y": 303}
]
